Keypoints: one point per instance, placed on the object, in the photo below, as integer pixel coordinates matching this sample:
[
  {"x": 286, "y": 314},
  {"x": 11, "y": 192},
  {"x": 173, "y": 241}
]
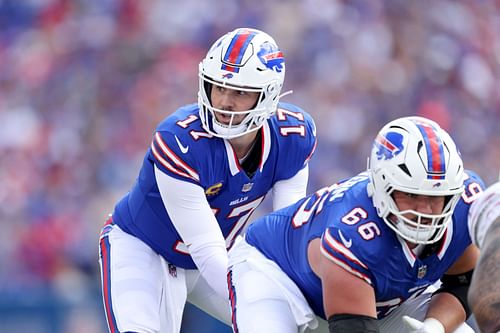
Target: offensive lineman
[{"x": 364, "y": 254}]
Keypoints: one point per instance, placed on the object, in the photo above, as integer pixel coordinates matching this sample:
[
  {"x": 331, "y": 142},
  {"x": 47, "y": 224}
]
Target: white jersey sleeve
[
  {"x": 483, "y": 212},
  {"x": 195, "y": 222},
  {"x": 288, "y": 191}
]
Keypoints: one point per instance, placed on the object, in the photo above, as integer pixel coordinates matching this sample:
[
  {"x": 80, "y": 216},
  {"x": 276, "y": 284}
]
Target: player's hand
[{"x": 430, "y": 325}]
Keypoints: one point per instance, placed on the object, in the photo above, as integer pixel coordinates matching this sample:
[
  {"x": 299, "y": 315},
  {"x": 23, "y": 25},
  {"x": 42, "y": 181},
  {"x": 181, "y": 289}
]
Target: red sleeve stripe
[
  {"x": 232, "y": 299},
  {"x": 105, "y": 249},
  {"x": 168, "y": 165},
  {"x": 340, "y": 248},
  {"x": 312, "y": 152},
  {"x": 170, "y": 154},
  {"x": 346, "y": 266}
]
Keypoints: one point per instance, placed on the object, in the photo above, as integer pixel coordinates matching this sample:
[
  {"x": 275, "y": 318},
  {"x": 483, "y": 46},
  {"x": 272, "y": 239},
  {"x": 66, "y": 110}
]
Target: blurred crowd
[{"x": 83, "y": 83}]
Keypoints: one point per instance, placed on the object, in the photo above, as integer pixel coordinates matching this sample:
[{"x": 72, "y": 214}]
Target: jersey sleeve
[
  {"x": 473, "y": 185},
  {"x": 204, "y": 240},
  {"x": 347, "y": 250},
  {"x": 173, "y": 155},
  {"x": 297, "y": 137},
  {"x": 480, "y": 207},
  {"x": 473, "y": 188},
  {"x": 483, "y": 213}
]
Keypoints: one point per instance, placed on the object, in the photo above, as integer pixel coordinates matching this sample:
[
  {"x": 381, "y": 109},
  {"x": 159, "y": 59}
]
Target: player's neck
[
  {"x": 417, "y": 249},
  {"x": 243, "y": 144},
  {"x": 411, "y": 245}
]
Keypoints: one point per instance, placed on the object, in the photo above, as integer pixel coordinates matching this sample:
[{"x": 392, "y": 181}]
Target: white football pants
[{"x": 143, "y": 293}]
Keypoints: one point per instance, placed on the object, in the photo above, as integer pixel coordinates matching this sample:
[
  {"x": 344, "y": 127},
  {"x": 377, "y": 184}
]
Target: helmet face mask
[
  {"x": 244, "y": 60},
  {"x": 421, "y": 228},
  {"x": 414, "y": 155}
]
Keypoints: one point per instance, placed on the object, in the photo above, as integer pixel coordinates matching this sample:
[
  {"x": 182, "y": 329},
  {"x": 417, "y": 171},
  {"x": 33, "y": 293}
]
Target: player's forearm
[
  {"x": 210, "y": 256},
  {"x": 447, "y": 309},
  {"x": 196, "y": 224},
  {"x": 484, "y": 293}
]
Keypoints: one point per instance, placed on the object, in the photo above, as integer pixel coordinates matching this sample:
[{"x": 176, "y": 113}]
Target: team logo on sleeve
[
  {"x": 389, "y": 145},
  {"x": 213, "y": 190}
]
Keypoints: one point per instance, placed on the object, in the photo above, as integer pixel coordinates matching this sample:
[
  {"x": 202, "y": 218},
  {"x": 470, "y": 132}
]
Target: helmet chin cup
[
  {"x": 231, "y": 131},
  {"x": 246, "y": 60},
  {"x": 413, "y": 235}
]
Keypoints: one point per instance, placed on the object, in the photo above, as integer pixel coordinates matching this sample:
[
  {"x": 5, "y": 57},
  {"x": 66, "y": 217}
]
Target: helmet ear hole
[{"x": 405, "y": 169}]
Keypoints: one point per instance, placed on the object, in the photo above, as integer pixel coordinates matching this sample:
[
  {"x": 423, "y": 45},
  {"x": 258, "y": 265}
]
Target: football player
[
  {"x": 484, "y": 292},
  {"x": 365, "y": 254},
  {"x": 208, "y": 168}
]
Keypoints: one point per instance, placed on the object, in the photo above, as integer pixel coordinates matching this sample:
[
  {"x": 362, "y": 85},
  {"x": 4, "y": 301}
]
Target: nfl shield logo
[
  {"x": 247, "y": 187},
  {"x": 422, "y": 270},
  {"x": 172, "y": 270}
]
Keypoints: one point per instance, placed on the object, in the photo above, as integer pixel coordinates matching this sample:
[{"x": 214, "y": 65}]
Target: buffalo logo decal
[
  {"x": 271, "y": 57},
  {"x": 389, "y": 145}
]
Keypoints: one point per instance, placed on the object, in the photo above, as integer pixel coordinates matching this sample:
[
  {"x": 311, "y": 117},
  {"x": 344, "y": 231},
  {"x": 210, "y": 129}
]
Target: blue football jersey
[
  {"x": 357, "y": 239},
  {"x": 183, "y": 149}
]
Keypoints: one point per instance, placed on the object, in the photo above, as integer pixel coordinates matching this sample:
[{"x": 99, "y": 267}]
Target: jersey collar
[{"x": 232, "y": 159}]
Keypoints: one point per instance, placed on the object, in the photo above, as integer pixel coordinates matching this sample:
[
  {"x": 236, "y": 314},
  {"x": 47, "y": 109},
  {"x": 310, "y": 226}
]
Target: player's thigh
[
  {"x": 268, "y": 315},
  {"x": 204, "y": 297},
  {"x": 257, "y": 302},
  {"x": 131, "y": 277}
]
